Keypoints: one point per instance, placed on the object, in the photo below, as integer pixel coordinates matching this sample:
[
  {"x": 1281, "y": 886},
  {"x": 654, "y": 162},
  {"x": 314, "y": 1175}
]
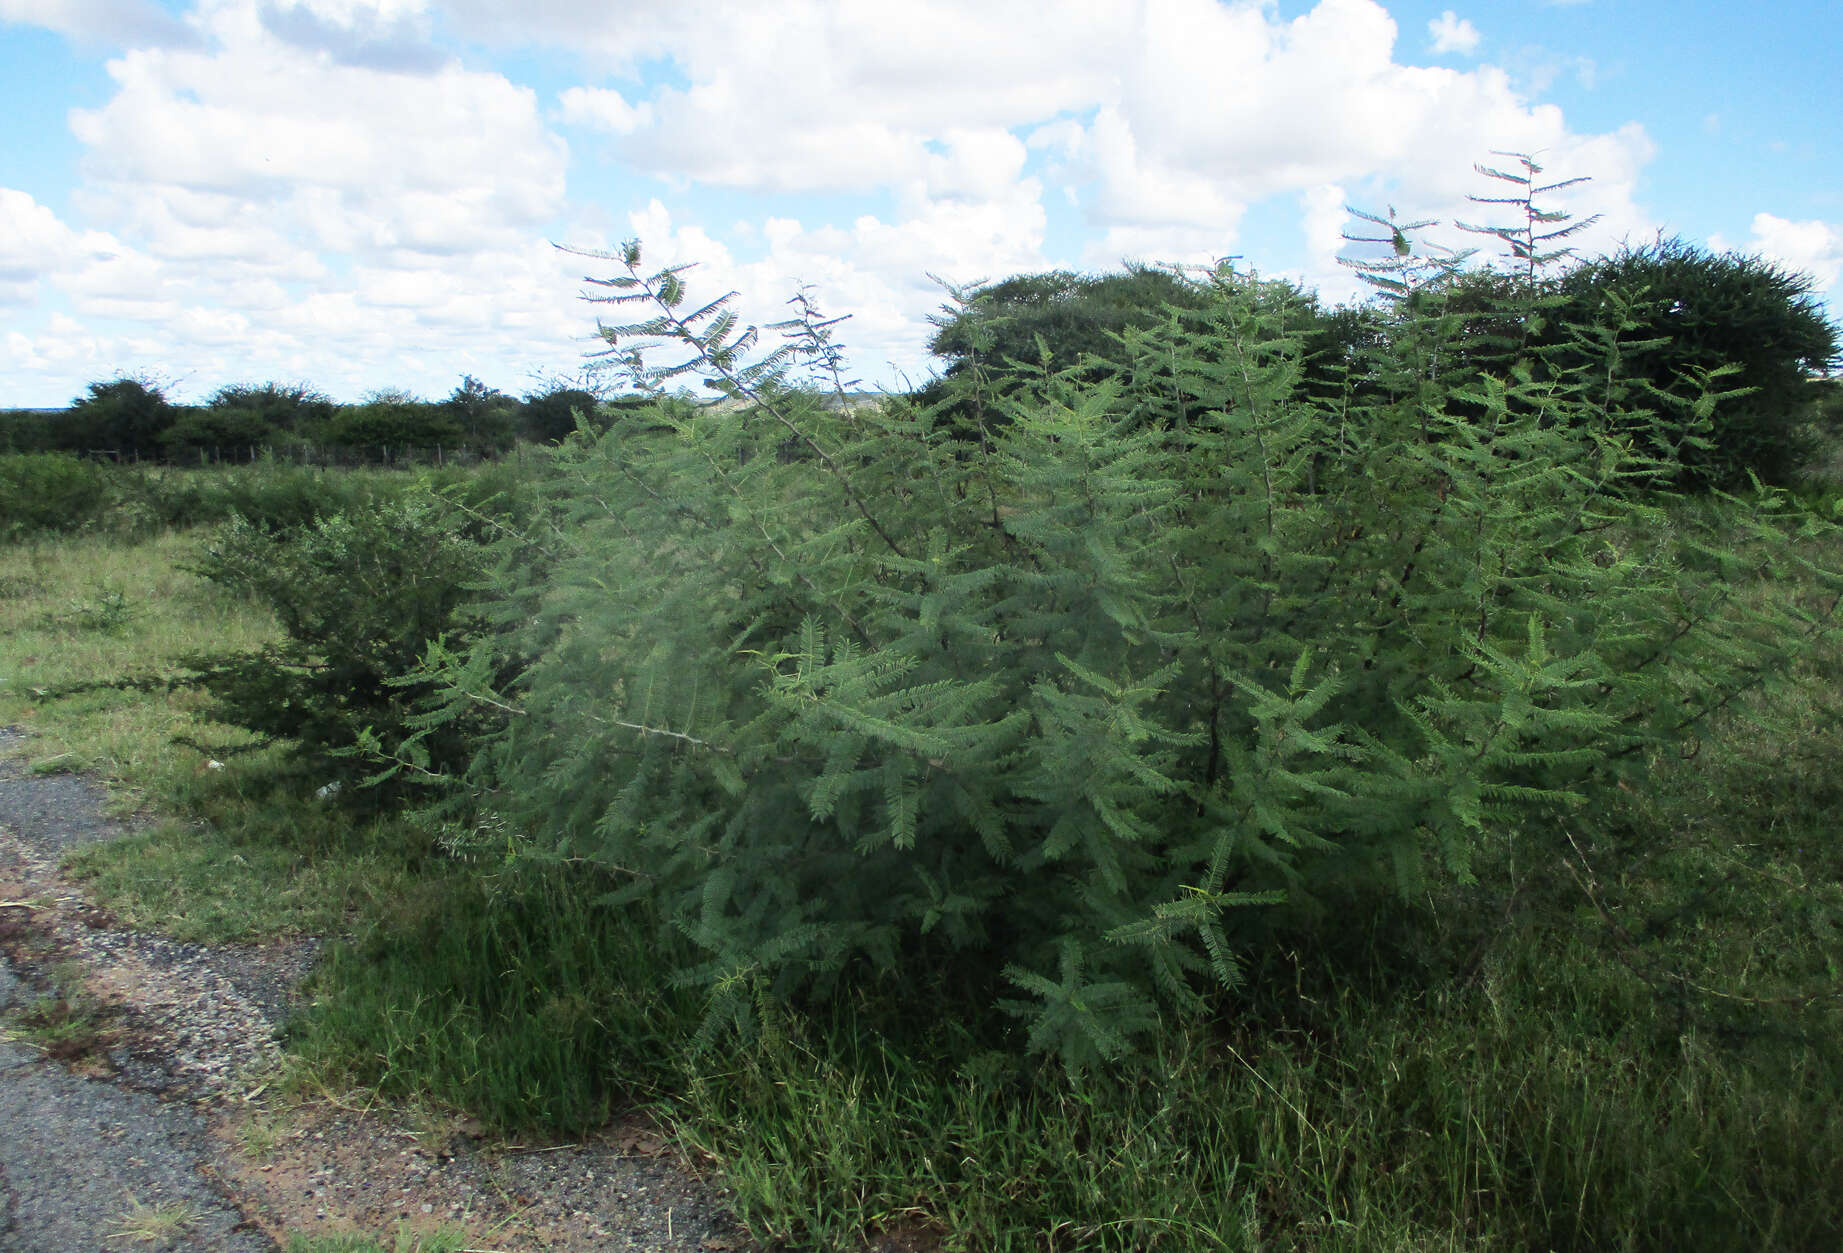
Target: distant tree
[
  {"x": 1074, "y": 315},
  {"x": 1827, "y": 409},
  {"x": 392, "y": 419},
  {"x": 550, "y": 415},
  {"x": 26, "y": 430},
  {"x": 995, "y": 337},
  {"x": 286, "y": 408},
  {"x": 126, "y": 416},
  {"x": 486, "y": 416},
  {"x": 203, "y": 431},
  {"x": 1712, "y": 309}
]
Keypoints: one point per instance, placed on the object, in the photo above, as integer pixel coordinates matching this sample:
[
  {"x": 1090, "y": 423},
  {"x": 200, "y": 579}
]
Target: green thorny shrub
[
  {"x": 359, "y": 597},
  {"x": 1076, "y": 714}
]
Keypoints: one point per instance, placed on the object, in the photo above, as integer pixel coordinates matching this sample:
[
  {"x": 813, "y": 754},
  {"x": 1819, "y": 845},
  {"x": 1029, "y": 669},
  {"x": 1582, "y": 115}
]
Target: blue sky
[{"x": 361, "y": 194}]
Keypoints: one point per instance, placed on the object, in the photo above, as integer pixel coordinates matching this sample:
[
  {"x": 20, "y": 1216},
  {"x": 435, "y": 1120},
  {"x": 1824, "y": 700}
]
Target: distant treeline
[{"x": 132, "y": 419}]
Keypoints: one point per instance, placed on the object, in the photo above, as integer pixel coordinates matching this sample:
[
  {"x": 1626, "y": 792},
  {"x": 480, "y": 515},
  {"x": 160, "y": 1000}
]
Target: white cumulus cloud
[
  {"x": 1813, "y": 247},
  {"x": 35, "y": 244},
  {"x": 602, "y": 107},
  {"x": 1451, "y": 33},
  {"x": 110, "y": 23},
  {"x": 352, "y": 192}
]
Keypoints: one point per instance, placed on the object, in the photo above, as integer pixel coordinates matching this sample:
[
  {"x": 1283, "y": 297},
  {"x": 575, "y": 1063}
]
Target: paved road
[{"x": 76, "y": 1153}]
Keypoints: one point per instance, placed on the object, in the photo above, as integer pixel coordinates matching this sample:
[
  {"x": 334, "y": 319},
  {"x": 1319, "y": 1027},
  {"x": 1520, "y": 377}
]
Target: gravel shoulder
[{"x": 153, "y": 1104}]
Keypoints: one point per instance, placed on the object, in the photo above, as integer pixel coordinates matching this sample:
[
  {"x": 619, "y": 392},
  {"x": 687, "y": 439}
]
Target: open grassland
[
  {"x": 1623, "y": 1042},
  {"x": 93, "y": 608}
]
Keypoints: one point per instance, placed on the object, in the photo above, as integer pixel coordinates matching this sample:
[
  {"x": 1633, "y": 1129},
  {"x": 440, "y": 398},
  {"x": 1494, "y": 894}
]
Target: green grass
[
  {"x": 406, "y": 1240},
  {"x": 1544, "y": 1096},
  {"x": 155, "y": 1224},
  {"x": 512, "y": 997},
  {"x": 67, "y": 1025},
  {"x": 242, "y": 854},
  {"x": 263, "y": 874},
  {"x": 89, "y": 609}
]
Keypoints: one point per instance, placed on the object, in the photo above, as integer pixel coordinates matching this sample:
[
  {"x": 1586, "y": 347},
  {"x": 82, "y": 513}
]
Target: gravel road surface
[
  {"x": 158, "y": 1135},
  {"x": 81, "y": 1157}
]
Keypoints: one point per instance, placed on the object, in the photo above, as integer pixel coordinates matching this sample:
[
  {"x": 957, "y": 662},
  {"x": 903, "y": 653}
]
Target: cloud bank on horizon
[{"x": 362, "y": 194}]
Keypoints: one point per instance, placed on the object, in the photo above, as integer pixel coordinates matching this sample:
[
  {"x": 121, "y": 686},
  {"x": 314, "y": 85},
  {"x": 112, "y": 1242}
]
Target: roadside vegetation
[
  {"x": 1208, "y": 772},
  {"x": 130, "y": 420}
]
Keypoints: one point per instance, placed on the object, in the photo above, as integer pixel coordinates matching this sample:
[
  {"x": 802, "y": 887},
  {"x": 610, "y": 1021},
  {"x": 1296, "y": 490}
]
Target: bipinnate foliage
[
  {"x": 359, "y": 597},
  {"x": 1532, "y": 240},
  {"x": 1723, "y": 347},
  {"x": 1183, "y": 651},
  {"x": 996, "y": 337},
  {"x": 1708, "y": 312}
]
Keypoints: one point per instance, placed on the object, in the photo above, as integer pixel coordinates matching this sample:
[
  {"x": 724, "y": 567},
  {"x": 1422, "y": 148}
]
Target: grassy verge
[
  {"x": 1623, "y": 1037},
  {"x": 233, "y": 850},
  {"x": 1543, "y": 1093},
  {"x": 406, "y": 1240},
  {"x": 89, "y": 609}
]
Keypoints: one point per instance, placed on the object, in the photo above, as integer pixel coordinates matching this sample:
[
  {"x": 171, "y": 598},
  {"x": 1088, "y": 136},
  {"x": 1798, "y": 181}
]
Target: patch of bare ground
[{"x": 330, "y": 1168}]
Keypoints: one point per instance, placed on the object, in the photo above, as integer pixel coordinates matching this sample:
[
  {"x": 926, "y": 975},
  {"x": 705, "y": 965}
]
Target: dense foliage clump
[
  {"x": 1706, "y": 312},
  {"x": 51, "y": 492},
  {"x": 360, "y": 589},
  {"x": 1185, "y": 651}
]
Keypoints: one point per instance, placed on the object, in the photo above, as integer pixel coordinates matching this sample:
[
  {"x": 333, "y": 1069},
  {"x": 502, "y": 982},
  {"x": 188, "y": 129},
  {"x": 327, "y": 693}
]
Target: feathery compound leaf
[{"x": 1074, "y": 670}]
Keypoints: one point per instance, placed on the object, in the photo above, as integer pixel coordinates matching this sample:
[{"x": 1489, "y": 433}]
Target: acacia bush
[
  {"x": 45, "y": 492},
  {"x": 122, "y": 417},
  {"x": 359, "y": 597},
  {"x": 1086, "y": 716},
  {"x": 1704, "y": 311}
]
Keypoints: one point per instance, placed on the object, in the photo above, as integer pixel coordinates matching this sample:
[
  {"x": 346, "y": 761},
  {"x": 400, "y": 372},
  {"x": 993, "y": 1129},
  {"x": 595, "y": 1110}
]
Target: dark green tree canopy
[
  {"x": 1001, "y": 332},
  {"x": 202, "y": 430},
  {"x": 1075, "y": 315},
  {"x": 125, "y": 416},
  {"x": 285, "y": 407},
  {"x": 550, "y": 415},
  {"x": 390, "y": 419},
  {"x": 486, "y": 416},
  {"x": 1712, "y": 309}
]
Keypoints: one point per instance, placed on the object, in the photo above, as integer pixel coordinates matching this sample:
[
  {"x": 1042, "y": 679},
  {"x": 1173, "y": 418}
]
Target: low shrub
[
  {"x": 360, "y": 596},
  {"x": 53, "y": 492}
]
